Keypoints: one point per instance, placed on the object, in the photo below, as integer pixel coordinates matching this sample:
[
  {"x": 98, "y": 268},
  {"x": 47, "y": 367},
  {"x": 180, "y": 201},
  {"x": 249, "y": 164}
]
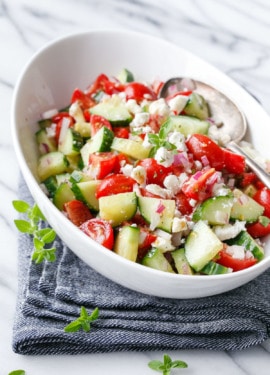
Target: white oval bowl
[{"x": 48, "y": 81}]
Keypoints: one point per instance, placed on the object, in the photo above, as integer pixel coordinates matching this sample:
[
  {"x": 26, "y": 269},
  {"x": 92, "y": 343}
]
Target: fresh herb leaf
[
  {"x": 159, "y": 140},
  {"x": 83, "y": 322},
  {"x": 41, "y": 237},
  {"x": 167, "y": 365},
  {"x": 17, "y": 372}
]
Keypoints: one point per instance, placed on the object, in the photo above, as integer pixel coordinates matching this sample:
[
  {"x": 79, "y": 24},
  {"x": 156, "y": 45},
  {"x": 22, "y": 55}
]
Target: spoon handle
[{"x": 255, "y": 167}]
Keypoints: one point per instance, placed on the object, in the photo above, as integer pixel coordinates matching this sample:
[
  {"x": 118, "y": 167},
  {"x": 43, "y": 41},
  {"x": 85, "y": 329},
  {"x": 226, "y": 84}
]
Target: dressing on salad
[{"x": 145, "y": 178}]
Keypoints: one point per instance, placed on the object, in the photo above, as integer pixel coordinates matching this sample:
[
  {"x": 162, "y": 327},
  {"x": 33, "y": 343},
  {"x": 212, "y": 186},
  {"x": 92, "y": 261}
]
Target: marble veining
[{"x": 233, "y": 36}]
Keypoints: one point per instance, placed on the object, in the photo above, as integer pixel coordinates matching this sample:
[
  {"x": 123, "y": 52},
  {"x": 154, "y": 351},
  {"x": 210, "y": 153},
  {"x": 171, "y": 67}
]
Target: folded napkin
[{"x": 50, "y": 296}]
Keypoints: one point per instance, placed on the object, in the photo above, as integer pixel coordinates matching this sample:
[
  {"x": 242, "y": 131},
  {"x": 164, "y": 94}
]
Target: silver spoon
[{"x": 222, "y": 110}]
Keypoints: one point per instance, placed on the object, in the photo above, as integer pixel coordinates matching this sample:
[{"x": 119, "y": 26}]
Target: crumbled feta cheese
[
  {"x": 139, "y": 175},
  {"x": 159, "y": 107},
  {"x": 178, "y": 103},
  {"x": 182, "y": 178},
  {"x": 236, "y": 251},
  {"x": 133, "y": 107},
  {"x": 163, "y": 244},
  {"x": 218, "y": 135},
  {"x": 171, "y": 182},
  {"x": 127, "y": 169},
  {"x": 225, "y": 232},
  {"x": 178, "y": 140},
  {"x": 179, "y": 225},
  {"x": 157, "y": 190},
  {"x": 140, "y": 119},
  {"x": 164, "y": 157},
  {"x": 219, "y": 189}
]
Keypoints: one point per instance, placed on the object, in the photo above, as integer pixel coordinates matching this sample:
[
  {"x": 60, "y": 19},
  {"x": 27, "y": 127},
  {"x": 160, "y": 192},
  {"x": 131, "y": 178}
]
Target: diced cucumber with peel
[
  {"x": 181, "y": 263},
  {"x": 245, "y": 208},
  {"x": 215, "y": 210},
  {"x": 213, "y": 268},
  {"x": 86, "y": 192},
  {"x": 156, "y": 259},
  {"x": 71, "y": 143},
  {"x": 114, "y": 110},
  {"x": 131, "y": 148},
  {"x": 118, "y": 208},
  {"x": 159, "y": 213},
  {"x": 101, "y": 142},
  {"x": 244, "y": 239},
  {"x": 186, "y": 125},
  {"x": 127, "y": 242},
  {"x": 202, "y": 245},
  {"x": 63, "y": 195},
  {"x": 51, "y": 164},
  {"x": 197, "y": 106},
  {"x": 125, "y": 76},
  {"x": 45, "y": 143}
]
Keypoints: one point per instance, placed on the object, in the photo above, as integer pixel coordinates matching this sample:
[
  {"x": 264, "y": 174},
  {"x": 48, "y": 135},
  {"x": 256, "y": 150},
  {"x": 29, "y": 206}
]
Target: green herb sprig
[
  {"x": 41, "y": 237},
  {"x": 167, "y": 365},
  {"x": 83, "y": 322},
  {"x": 159, "y": 140}
]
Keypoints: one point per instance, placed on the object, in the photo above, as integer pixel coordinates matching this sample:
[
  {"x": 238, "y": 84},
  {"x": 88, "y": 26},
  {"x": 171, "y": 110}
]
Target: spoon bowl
[{"x": 230, "y": 120}]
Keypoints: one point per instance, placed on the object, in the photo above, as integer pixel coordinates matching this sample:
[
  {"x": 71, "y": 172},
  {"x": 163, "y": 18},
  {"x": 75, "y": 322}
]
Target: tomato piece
[
  {"x": 196, "y": 186},
  {"x": 155, "y": 172},
  {"x": 146, "y": 240},
  {"x": 139, "y": 91},
  {"x": 77, "y": 212},
  {"x": 246, "y": 179},
  {"x": 233, "y": 163},
  {"x": 102, "y": 163},
  {"x": 121, "y": 132},
  {"x": 59, "y": 119},
  {"x": 100, "y": 231},
  {"x": 258, "y": 230},
  {"x": 183, "y": 204},
  {"x": 102, "y": 83},
  {"x": 121, "y": 160},
  {"x": 262, "y": 196},
  {"x": 202, "y": 146},
  {"x": 115, "y": 184},
  {"x": 146, "y": 193},
  {"x": 97, "y": 122},
  {"x": 225, "y": 259},
  {"x": 84, "y": 100}
]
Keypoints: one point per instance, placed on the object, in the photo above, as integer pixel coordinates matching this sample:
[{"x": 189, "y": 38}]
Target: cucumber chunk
[
  {"x": 181, "y": 263},
  {"x": 63, "y": 195},
  {"x": 45, "y": 143},
  {"x": 213, "y": 268},
  {"x": 127, "y": 242},
  {"x": 100, "y": 142},
  {"x": 125, "y": 76},
  {"x": 197, "y": 106},
  {"x": 51, "y": 164},
  {"x": 202, "y": 245},
  {"x": 185, "y": 125},
  {"x": 118, "y": 208},
  {"x": 156, "y": 259},
  {"x": 215, "y": 211},
  {"x": 245, "y": 208},
  {"x": 71, "y": 143},
  {"x": 131, "y": 148},
  {"x": 85, "y": 191},
  {"x": 114, "y": 110},
  {"x": 245, "y": 239},
  {"x": 157, "y": 212}
]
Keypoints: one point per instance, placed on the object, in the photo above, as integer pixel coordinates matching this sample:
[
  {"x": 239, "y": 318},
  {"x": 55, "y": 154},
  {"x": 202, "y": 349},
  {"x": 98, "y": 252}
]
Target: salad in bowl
[{"x": 140, "y": 187}]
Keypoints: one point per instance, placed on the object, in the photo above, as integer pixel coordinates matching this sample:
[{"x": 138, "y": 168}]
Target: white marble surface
[{"x": 232, "y": 35}]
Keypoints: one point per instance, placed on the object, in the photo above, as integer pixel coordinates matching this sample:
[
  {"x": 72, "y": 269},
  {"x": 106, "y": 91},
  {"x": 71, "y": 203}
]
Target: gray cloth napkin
[{"x": 50, "y": 296}]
